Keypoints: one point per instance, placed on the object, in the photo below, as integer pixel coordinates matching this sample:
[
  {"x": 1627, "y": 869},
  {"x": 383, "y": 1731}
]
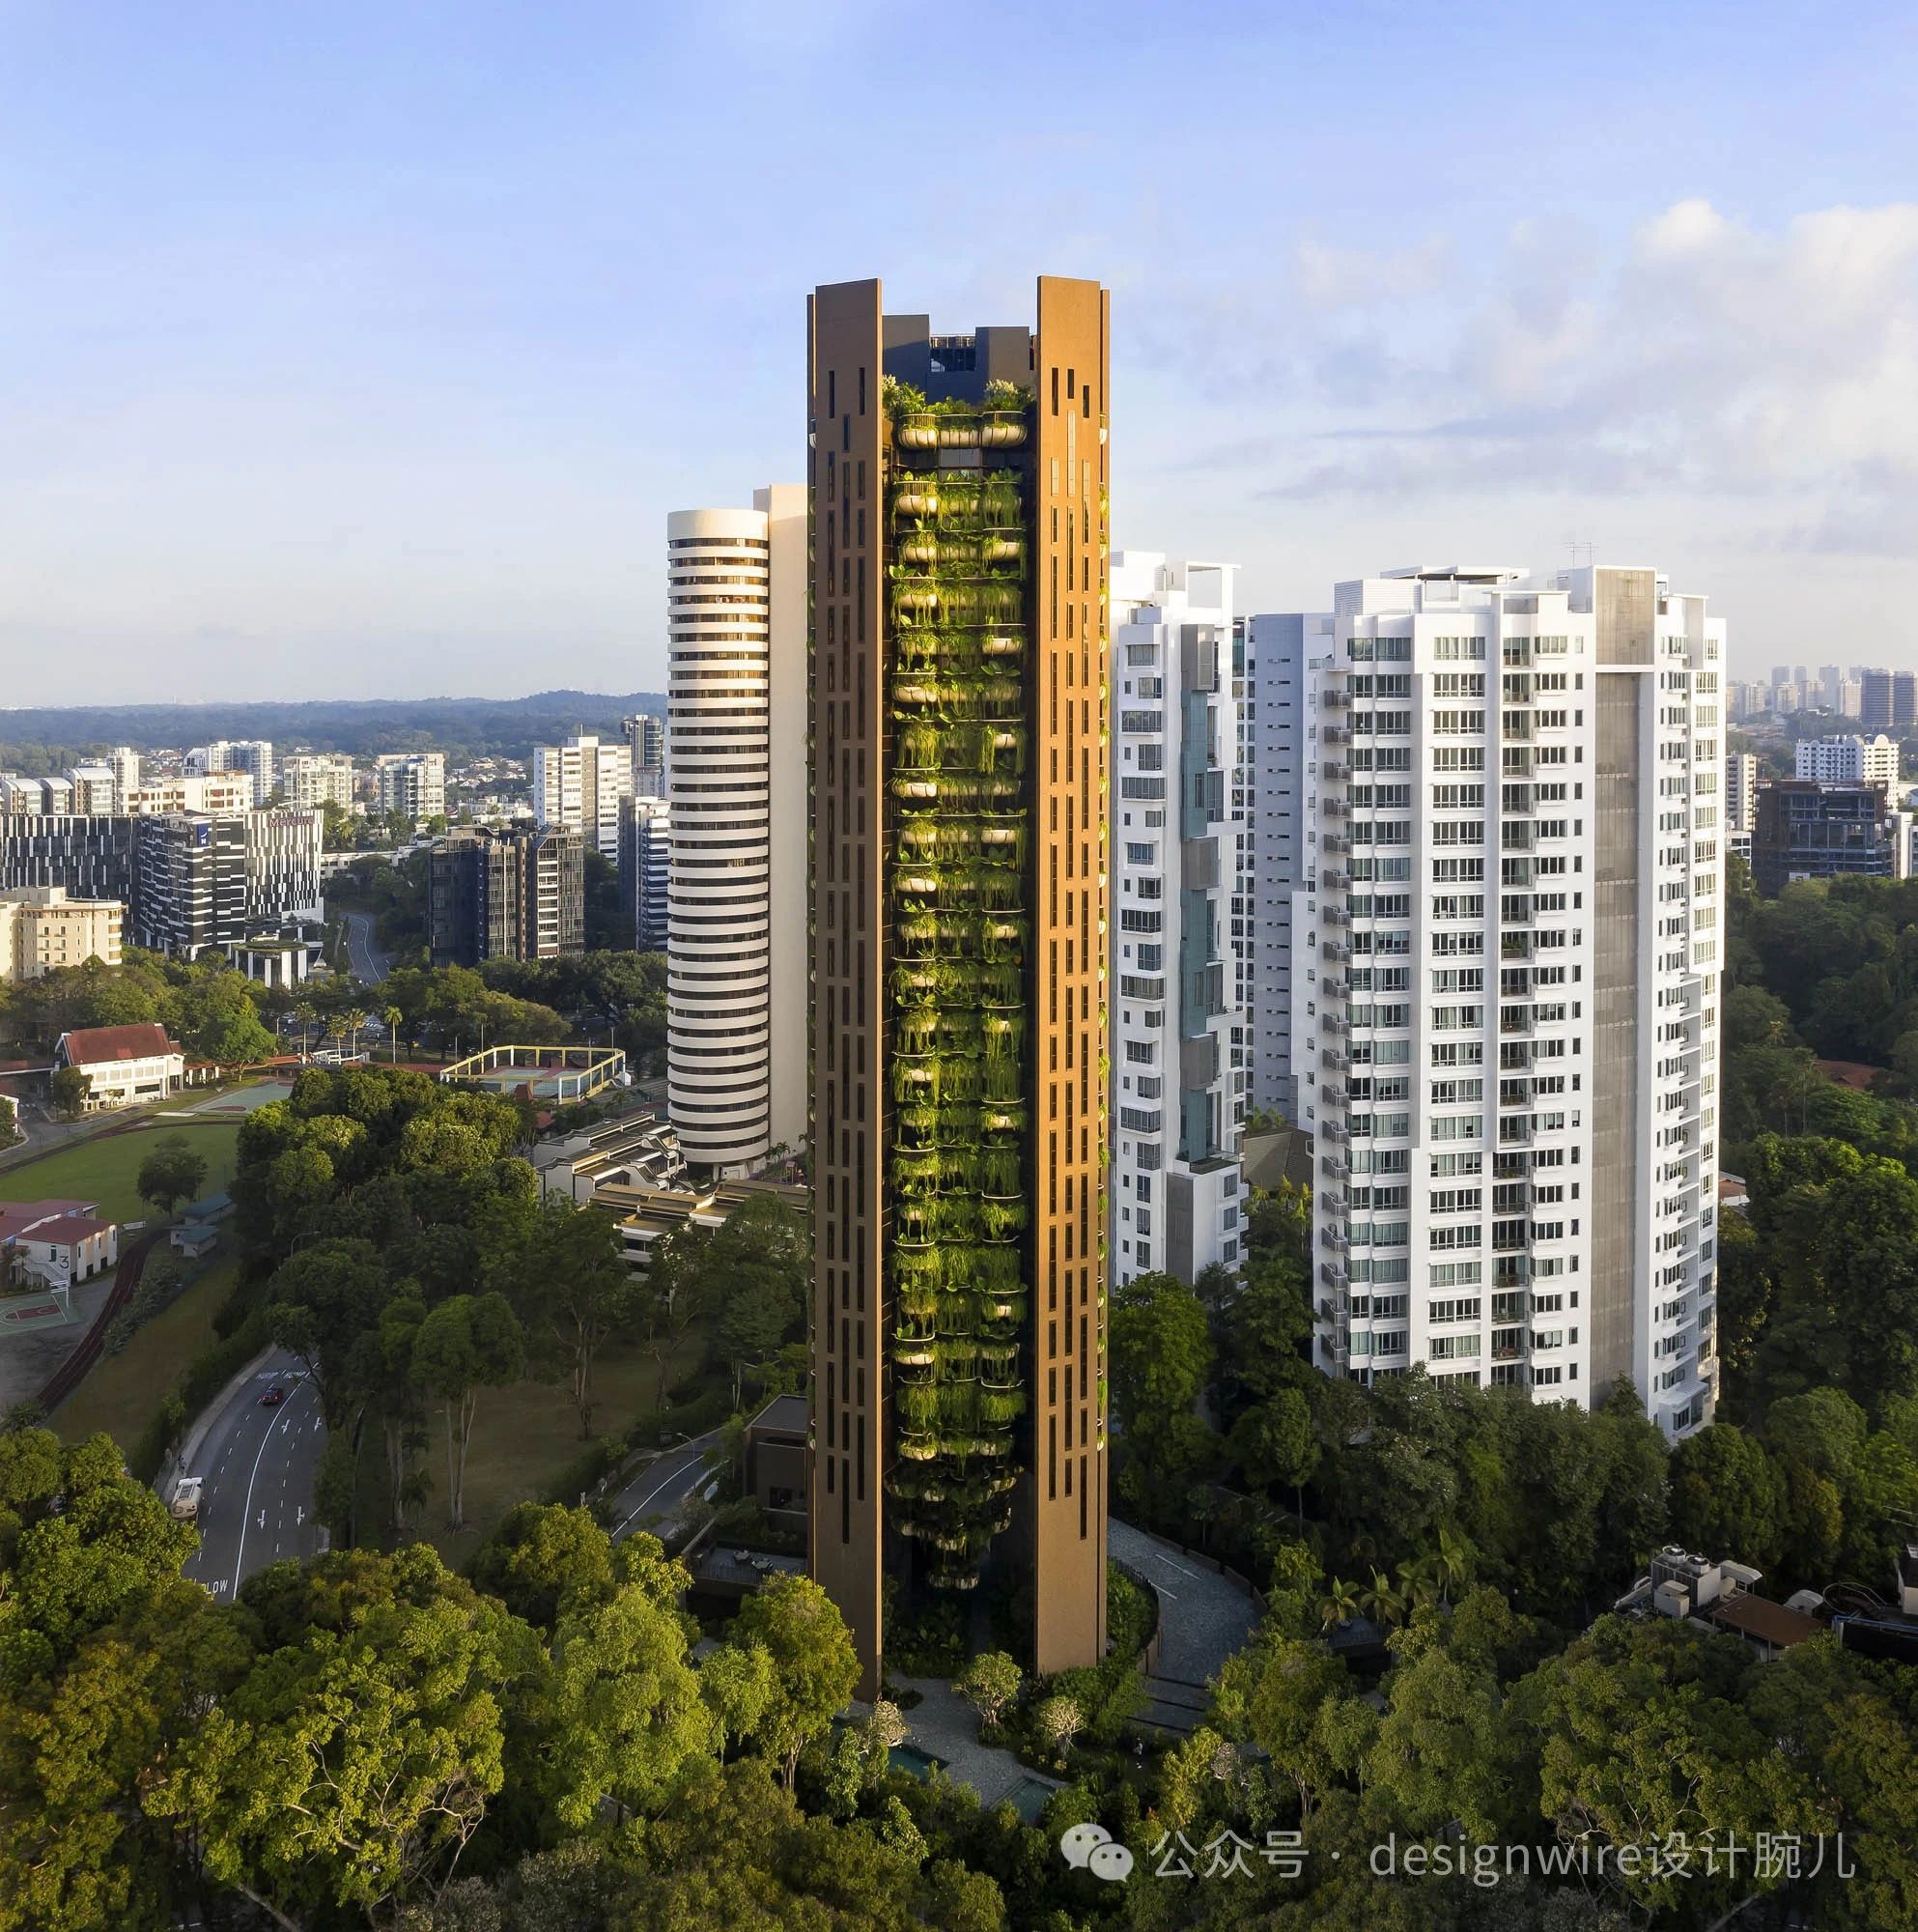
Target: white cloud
[
  {"x": 1729, "y": 363},
  {"x": 1329, "y": 278}
]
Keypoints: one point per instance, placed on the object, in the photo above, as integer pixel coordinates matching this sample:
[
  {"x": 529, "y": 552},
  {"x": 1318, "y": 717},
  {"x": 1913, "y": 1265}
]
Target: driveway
[
  {"x": 662, "y": 1487},
  {"x": 1203, "y": 1617}
]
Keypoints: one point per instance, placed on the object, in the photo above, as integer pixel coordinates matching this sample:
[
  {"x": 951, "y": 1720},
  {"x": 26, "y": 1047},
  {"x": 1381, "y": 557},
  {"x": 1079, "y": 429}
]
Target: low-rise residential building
[
  {"x": 55, "y": 1243},
  {"x": 124, "y": 1064},
  {"x": 1849, "y": 761},
  {"x": 201, "y": 791},
  {"x": 647, "y": 1215},
  {"x": 642, "y": 1151},
  {"x": 42, "y": 930}
]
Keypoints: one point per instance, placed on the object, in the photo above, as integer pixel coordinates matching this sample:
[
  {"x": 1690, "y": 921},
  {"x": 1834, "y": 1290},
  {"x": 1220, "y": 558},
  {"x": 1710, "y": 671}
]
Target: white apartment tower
[
  {"x": 581, "y": 783},
  {"x": 1849, "y": 761},
  {"x": 1741, "y": 792},
  {"x": 125, "y": 763},
  {"x": 736, "y": 787},
  {"x": 1176, "y": 1190},
  {"x": 252, "y": 755},
  {"x": 645, "y": 876},
  {"x": 412, "y": 783},
  {"x": 1505, "y": 997},
  {"x": 311, "y": 780}
]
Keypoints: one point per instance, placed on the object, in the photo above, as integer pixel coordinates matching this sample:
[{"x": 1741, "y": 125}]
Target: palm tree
[
  {"x": 1340, "y": 1603},
  {"x": 305, "y": 1014},
  {"x": 1419, "y": 1582},
  {"x": 1381, "y": 1602},
  {"x": 394, "y": 1018},
  {"x": 351, "y": 1022},
  {"x": 1456, "y": 1559}
]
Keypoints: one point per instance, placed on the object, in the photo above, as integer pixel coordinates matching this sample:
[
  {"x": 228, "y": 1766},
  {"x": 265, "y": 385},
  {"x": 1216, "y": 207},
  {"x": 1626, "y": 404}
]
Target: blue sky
[{"x": 361, "y": 350}]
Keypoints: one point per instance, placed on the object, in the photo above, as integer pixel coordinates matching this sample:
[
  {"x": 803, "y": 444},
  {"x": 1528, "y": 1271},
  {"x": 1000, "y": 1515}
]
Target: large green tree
[
  {"x": 171, "y": 1173},
  {"x": 620, "y": 1708},
  {"x": 470, "y": 1342},
  {"x": 569, "y": 1278},
  {"x": 352, "y": 1768},
  {"x": 814, "y": 1669},
  {"x": 1161, "y": 1354}
]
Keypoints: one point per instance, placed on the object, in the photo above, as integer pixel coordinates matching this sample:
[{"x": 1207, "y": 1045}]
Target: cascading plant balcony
[
  {"x": 999, "y": 421},
  {"x": 956, "y": 890}
]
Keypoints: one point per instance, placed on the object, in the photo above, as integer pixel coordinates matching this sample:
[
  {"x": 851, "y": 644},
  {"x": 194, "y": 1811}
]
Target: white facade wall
[
  {"x": 125, "y": 763},
  {"x": 119, "y": 1082},
  {"x": 1176, "y": 1193},
  {"x": 1849, "y": 761},
  {"x": 1506, "y": 995},
  {"x": 1741, "y": 792},
  {"x": 581, "y": 783},
  {"x": 737, "y": 791},
  {"x": 412, "y": 782},
  {"x": 311, "y": 780}
]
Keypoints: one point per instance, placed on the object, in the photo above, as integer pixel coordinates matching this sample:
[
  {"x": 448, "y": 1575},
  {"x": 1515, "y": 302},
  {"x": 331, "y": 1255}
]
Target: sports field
[{"x": 103, "y": 1169}]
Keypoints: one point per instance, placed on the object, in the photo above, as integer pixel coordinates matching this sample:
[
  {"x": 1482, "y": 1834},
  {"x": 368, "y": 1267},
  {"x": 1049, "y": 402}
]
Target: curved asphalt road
[
  {"x": 258, "y": 1466},
  {"x": 368, "y": 963},
  {"x": 664, "y": 1487}
]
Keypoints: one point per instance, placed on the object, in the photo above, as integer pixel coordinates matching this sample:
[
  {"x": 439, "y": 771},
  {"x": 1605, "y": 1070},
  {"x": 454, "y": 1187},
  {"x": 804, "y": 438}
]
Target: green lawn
[
  {"x": 102, "y": 1170},
  {"x": 524, "y": 1437},
  {"x": 123, "y": 1393}
]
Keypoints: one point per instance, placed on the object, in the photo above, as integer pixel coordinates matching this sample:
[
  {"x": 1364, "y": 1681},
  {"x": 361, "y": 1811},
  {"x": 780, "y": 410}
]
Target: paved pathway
[
  {"x": 1203, "y": 1617},
  {"x": 942, "y": 1724}
]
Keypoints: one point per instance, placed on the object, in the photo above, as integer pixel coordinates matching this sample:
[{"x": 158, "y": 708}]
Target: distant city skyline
[{"x": 370, "y": 358}]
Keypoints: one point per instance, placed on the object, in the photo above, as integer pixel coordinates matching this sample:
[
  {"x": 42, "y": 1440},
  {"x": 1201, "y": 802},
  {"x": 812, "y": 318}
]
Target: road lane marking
[
  {"x": 693, "y": 1468},
  {"x": 239, "y": 1560}
]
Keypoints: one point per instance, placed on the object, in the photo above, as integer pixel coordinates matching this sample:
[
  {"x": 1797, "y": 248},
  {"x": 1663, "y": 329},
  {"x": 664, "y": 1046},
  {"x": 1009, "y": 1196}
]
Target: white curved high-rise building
[{"x": 736, "y": 786}]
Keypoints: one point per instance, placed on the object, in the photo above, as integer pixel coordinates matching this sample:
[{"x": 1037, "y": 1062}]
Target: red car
[{"x": 273, "y": 1398}]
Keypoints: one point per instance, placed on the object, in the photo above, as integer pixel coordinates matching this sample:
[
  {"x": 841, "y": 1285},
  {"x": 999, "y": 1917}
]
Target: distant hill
[{"x": 45, "y": 738}]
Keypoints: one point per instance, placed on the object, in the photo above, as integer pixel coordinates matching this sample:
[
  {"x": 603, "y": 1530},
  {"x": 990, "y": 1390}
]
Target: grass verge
[
  {"x": 525, "y": 1436},
  {"x": 124, "y": 1392}
]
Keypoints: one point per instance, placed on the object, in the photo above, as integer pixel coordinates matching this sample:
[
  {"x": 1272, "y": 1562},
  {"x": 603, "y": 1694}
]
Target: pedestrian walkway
[
  {"x": 945, "y": 1726},
  {"x": 1205, "y": 1617},
  {"x": 1173, "y": 1709}
]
